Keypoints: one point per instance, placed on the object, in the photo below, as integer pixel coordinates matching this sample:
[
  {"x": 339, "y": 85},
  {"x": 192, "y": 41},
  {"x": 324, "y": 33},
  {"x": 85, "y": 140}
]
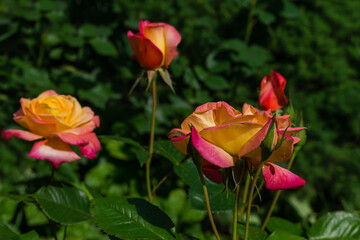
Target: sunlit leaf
[
  {"x": 66, "y": 205},
  {"x": 132, "y": 218},
  {"x": 336, "y": 226}
]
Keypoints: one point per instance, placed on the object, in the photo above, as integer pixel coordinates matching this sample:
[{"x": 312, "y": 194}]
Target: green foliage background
[{"x": 80, "y": 48}]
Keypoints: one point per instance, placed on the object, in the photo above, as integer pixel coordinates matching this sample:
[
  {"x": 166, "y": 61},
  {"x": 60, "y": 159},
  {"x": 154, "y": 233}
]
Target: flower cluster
[{"x": 222, "y": 135}]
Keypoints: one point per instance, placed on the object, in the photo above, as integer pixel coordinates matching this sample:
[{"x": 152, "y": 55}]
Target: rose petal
[
  {"x": 210, "y": 152},
  {"x": 212, "y": 172},
  {"x": 247, "y": 109},
  {"x": 53, "y": 150},
  {"x": 86, "y": 116},
  {"x": 89, "y": 150},
  {"x": 292, "y": 131},
  {"x": 84, "y": 129},
  {"x": 278, "y": 82},
  {"x": 48, "y": 93},
  {"x": 277, "y": 178},
  {"x": 272, "y": 94},
  {"x": 180, "y": 143},
  {"x": 36, "y": 126},
  {"x": 232, "y": 137},
  {"x": 199, "y": 120},
  {"x": 73, "y": 139},
  {"x": 155, "y": 32},
  {"x": 256, "y": 140},
  {"x": 28, "y": 136},
  {"x": 172, "y": 39},
  {"x": 145, "y": 52},
  {"x": 284, "y": 152}
]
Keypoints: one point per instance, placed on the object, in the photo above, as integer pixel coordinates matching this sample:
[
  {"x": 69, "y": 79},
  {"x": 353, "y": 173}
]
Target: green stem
[
  {"x": 246, "y": 190},
  {"x": 151, "y": 144},
  {"x": 277, "y": 195},
  {"x": 40, "y": 58},
  {"x": 206, "y": 195},
  {"x": 159, "y": 183},
  {"x": 65, "y": 229},
  {"x": 235, "y": 220},
  {"x": 258, "y": 170},
  {"x": 250, "y": 22}
]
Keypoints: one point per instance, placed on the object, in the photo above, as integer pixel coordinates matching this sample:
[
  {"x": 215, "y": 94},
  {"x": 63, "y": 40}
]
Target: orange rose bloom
[{"x": 59, "y": 120}]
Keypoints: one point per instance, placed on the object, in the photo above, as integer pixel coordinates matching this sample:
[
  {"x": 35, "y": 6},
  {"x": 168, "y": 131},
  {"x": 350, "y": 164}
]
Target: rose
[
  {"x": 61, "y": 121},
  {"x": 155, "y": 46},
  {"x": 272, "y": 94},
  {"x": 223, "y": 135}
]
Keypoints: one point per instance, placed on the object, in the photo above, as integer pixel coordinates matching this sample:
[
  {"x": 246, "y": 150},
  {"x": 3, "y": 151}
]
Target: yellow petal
[{"x": 232, "y": 137}]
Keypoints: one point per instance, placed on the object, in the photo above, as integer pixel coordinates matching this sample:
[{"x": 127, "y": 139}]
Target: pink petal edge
[
  {"x": 90, "y": 149},
  {"x": 278, "y": 178},
  {"x": 28, "y": 136},
  {"x": 54, "y": 151},
  {"x": 210, "y": 152}
]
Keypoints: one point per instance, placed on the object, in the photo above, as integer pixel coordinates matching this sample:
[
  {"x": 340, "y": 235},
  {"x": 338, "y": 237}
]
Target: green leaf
[
  {"x": 290, "y": 10},
  {"x": 66, "y": 205},
  {"x": 141, "y": 153},
  {"x": 219, "y": 198},
  {"x": 45, "y": 5},
  {"x": 255, "y": 233},
  {"x": 30, "y": 236},
  {"x": 336, "y": 226},
  {"x": 216, "y": 82},
  {"x": 88, "y": 30},
  {"x": 132, "y": 218},
  {"x": 7, "y": 233},
  {"x": 99, "y": 95},
  {"x": 103, "y": 46},
  {"x": 254, "y": 56},
  {"x": 166, "y": 149},
  {"x": 265, "y": 17},
  {"x": 201, "y": 73},
  {"x": 187, "y": 172},
  {"x": 276, "y": 223},
  {"x": 142, "y": 156},
  {"x": 282, "y": 235}
]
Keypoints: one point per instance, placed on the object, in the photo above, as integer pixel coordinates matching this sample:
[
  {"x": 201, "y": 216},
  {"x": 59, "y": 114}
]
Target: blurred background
[{"x": 80, "y": 48}]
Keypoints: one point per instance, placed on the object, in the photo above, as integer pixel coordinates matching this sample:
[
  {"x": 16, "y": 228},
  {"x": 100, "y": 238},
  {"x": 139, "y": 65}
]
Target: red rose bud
[
  {"x": 272, "y": 94},
  {"x": 155, "y": 46}
]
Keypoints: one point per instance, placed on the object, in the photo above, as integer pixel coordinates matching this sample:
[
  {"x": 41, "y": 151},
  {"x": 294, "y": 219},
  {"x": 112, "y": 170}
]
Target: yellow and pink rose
[
  {"x": 223, "y": 135},
  {"x": 57, "y": 121}
]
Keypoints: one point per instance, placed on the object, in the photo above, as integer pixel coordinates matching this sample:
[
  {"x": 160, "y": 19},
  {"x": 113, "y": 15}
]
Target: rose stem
[
  {"x": 64, "y": 237},
  {"x": 237, "y": 197},
  {"x": 250, "y": 22},
  {"x": 208, "y": 204},
  {"x": 246, "y": 190},
  {"x": 253, "y": 183},
  {"x": 277, "y": 195},
  {"x": 151, "y": 144}
]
